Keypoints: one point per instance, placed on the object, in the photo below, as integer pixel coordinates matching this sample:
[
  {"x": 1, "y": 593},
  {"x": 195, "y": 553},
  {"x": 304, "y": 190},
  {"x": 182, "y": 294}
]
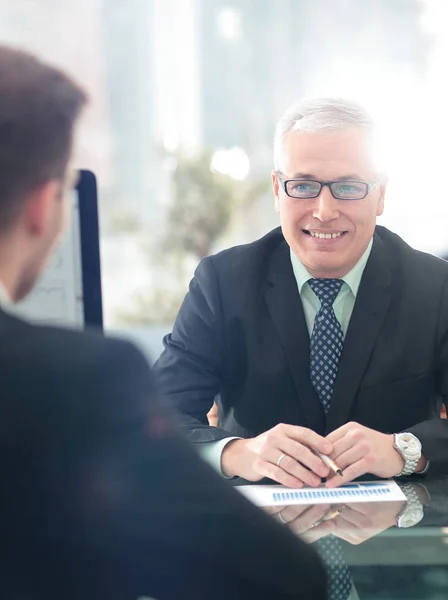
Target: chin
[
  {"x": 327, "y": 268},
  {"x": 23, "y": 290},
  {"x": 26, "y": 285}
]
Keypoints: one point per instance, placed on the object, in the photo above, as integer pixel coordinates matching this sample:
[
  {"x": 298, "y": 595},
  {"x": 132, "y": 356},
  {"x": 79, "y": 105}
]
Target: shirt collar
[{"x": 352, "y": 279}]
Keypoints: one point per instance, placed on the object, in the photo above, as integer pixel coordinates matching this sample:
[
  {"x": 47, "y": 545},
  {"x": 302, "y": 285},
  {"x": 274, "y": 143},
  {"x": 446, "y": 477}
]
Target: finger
[
  {"x": 273, "y": 510},
  {"x": 334, "y": 511},
  {"x": 282, "y": 520},
  {"x": 290, "y": 465},
  {"x": 268, "y": 469},
  {"x": 295, "y": 469},
  {"x": 368, "y": 509},
  {"x": 316, "y": 533},
  {"x": 337, "y": 434},
  {"x": 304, "y": 455},
  {"x": 288, "y": 516},
  {"x": 355, "y": 519},
  {"x": 349, "y": 474},
  {"x": 350, "y": 456},
  {"x": 309, "y": 438},
  {"x": 356, "y": 534},
  {"x": 309, "y": 518},
  {"x": 348, "y": 532},
  {"x": 354, "y": 540},
  {"x": 280, "y": 459},
  {"x": 292, "y": 512},
  {"x": 342, "y": 445}
]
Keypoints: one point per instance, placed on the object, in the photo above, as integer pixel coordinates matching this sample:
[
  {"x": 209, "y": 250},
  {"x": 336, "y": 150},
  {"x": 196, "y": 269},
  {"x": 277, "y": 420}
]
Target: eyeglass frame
[{"x": 369, "y": 187}]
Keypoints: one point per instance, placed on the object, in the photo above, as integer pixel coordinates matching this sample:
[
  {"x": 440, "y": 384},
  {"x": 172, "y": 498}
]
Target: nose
[{"x": 326, "y": 207}]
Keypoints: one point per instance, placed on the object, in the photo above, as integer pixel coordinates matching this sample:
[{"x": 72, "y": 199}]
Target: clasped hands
[
  {"x": 354, "y": 523},
  {"x": 284, "y": 454}
]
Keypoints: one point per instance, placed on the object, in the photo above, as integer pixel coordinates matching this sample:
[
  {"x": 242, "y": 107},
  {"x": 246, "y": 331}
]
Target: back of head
[
  {"x": 39, "y": 106},
  {"x": 319, "y": 115}
]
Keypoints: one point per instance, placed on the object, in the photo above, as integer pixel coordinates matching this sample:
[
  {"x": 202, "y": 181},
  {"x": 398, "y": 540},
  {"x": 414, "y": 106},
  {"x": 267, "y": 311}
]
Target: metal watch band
[
  {"x": 412, "y": 513},
  {"x": 410, "y": 465},
  {"x": 412, "y": 498}
]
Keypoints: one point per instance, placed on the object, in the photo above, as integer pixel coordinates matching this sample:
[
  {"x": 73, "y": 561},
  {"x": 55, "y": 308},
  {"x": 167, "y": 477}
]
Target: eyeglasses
[{"x": 341, "y": 190}]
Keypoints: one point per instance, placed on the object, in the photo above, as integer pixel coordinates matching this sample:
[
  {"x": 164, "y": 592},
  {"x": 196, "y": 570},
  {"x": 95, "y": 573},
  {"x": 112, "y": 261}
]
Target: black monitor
[{"x": 69, "y": 291}]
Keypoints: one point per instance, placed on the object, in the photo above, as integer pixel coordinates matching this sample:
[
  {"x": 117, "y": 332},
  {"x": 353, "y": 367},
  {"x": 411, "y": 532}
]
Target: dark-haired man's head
[{"x": 39, "y": 111}]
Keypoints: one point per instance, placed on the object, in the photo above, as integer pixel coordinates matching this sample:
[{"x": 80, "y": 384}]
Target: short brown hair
[{"x": 39, "y": 106}]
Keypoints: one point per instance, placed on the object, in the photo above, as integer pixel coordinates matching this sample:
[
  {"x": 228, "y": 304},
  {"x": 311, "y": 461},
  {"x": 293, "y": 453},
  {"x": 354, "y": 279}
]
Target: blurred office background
[{"x": 185, "y": 95}]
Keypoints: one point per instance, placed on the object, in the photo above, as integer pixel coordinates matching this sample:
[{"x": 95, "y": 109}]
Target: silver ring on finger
[
  {"x": 280, "y": 518},
  {"x": 280, "y": 458}
]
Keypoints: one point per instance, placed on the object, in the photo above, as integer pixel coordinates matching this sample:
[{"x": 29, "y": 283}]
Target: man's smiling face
[{"x": 328, "y": 236}]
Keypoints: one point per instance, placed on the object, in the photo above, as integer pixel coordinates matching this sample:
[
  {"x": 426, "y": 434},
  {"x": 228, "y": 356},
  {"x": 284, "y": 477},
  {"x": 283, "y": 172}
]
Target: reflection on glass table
[{"x": 390, "y": 550}]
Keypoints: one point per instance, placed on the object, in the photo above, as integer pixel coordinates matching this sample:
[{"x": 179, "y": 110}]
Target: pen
[
  {"x": 328, "y": 462},
  {"x": 331, "y": 514}
]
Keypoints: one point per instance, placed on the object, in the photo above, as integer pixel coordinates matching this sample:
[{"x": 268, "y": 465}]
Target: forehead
[{"x": 328, "y": 155}]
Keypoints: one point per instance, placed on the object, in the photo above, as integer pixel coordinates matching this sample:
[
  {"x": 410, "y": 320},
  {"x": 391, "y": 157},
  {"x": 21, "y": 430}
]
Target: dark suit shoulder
[
  {"x": 254, "y": 252},
  {"x": 237, "y": 275},
  {"x": 242, "y": 267},
  {"x": 415, "y": 264},
  {"x": 63, "y": 355}
]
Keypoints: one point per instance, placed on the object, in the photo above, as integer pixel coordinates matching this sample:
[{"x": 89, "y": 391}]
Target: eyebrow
[
  {"x": 350, "y": 177},
  {"x": 303, "y": 176}
]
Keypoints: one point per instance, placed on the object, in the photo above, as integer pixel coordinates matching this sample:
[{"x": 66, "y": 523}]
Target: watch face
[
  {"x": 409, "y": 444},
  {"x": 411, "y": 517}
]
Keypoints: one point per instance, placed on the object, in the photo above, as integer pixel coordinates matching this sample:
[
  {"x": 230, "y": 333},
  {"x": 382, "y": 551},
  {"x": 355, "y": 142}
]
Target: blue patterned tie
[
  {"x": 327, "y": 340},
  {"x": 339, "y": 578}
]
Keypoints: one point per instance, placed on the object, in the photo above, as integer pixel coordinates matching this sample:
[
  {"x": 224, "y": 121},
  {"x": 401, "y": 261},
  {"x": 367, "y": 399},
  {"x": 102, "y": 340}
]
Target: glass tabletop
[{"x": 380, "y": 550}]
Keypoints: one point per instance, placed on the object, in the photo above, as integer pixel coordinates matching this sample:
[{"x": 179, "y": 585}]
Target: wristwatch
[
  {"x": 410, "y": 449},
  {"x": 412, "y": 512}
]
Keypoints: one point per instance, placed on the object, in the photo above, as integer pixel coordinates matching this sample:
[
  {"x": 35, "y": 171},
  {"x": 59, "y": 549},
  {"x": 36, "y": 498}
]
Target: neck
[
  {"x": 330, "y": 275},
  {"x": 337, "y": 273}
]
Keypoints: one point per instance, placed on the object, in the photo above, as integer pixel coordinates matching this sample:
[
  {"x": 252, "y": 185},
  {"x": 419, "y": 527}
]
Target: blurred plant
[
  {"x": 152, "y": 306},
  {"x": 201, "y": 207},
  {"x": 203, "y": 203},
  {"x": 124, "y": 221}
]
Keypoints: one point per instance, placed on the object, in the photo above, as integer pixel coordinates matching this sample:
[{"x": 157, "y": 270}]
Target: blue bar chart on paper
[{"x": 366, "y": 491}]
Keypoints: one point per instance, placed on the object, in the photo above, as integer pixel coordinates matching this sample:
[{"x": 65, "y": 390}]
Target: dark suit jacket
[
  {"x": 241, "y": 333},
  {"x": 101, "y": 499}
]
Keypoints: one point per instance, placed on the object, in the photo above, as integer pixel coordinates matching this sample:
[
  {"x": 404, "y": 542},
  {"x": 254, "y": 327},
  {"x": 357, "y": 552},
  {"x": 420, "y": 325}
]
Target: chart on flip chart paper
[{"x": 58, "y": 296}]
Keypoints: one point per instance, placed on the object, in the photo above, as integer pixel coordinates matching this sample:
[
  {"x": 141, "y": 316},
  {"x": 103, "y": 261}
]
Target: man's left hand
[
  {"x": 359, "y": 522},
  {"x": 359, "y": 450}
]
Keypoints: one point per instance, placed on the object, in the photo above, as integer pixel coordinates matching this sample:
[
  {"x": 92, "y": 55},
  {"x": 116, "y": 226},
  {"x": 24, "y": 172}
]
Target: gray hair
[{"x": 319, "y": 115}]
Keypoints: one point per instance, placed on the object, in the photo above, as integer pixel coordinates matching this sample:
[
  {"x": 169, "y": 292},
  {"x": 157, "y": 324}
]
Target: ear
[
  {"x": 382, "y": 193},
  {"x": 39, "y": 207},
  {"x": 276, "y": 187}
]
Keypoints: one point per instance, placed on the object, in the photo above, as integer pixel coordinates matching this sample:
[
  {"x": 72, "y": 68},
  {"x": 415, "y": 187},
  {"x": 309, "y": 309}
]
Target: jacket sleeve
[
  {"x": 433, "y": 434},
  {"x": 190, "y": 370}
]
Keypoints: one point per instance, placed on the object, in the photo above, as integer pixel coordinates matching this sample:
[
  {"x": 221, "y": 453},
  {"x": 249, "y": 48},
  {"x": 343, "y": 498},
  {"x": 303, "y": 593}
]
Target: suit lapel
[
  {"x": 371, "y": 304},
  {"x": 285, "y": 308}
]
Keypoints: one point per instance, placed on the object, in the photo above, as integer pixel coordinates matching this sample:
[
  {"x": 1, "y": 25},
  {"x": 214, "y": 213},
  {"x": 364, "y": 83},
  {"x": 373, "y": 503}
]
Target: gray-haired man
[{"x": 329, "y": 333}]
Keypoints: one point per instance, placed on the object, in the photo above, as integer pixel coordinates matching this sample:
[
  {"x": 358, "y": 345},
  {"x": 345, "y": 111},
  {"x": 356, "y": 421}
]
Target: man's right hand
[
  {"x": 310, "y": 522},
  {"x": 283, "y": 454}
]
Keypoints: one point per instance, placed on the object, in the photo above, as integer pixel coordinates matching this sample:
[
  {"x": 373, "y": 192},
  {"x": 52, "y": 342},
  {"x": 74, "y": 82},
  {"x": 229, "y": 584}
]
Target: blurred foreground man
[
  {"x": 328, "y": 333},
  {"x": 100, "y": 498}
]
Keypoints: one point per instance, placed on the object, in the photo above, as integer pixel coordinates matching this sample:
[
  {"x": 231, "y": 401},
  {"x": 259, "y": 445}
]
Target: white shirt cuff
[
  {"x": 211, "y": 452},
  {"x": 424, "y": 470}
]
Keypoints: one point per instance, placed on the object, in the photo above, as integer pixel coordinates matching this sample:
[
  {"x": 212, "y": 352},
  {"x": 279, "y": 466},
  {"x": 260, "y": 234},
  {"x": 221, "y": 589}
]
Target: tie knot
[{"x": 326, "y": 289}]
